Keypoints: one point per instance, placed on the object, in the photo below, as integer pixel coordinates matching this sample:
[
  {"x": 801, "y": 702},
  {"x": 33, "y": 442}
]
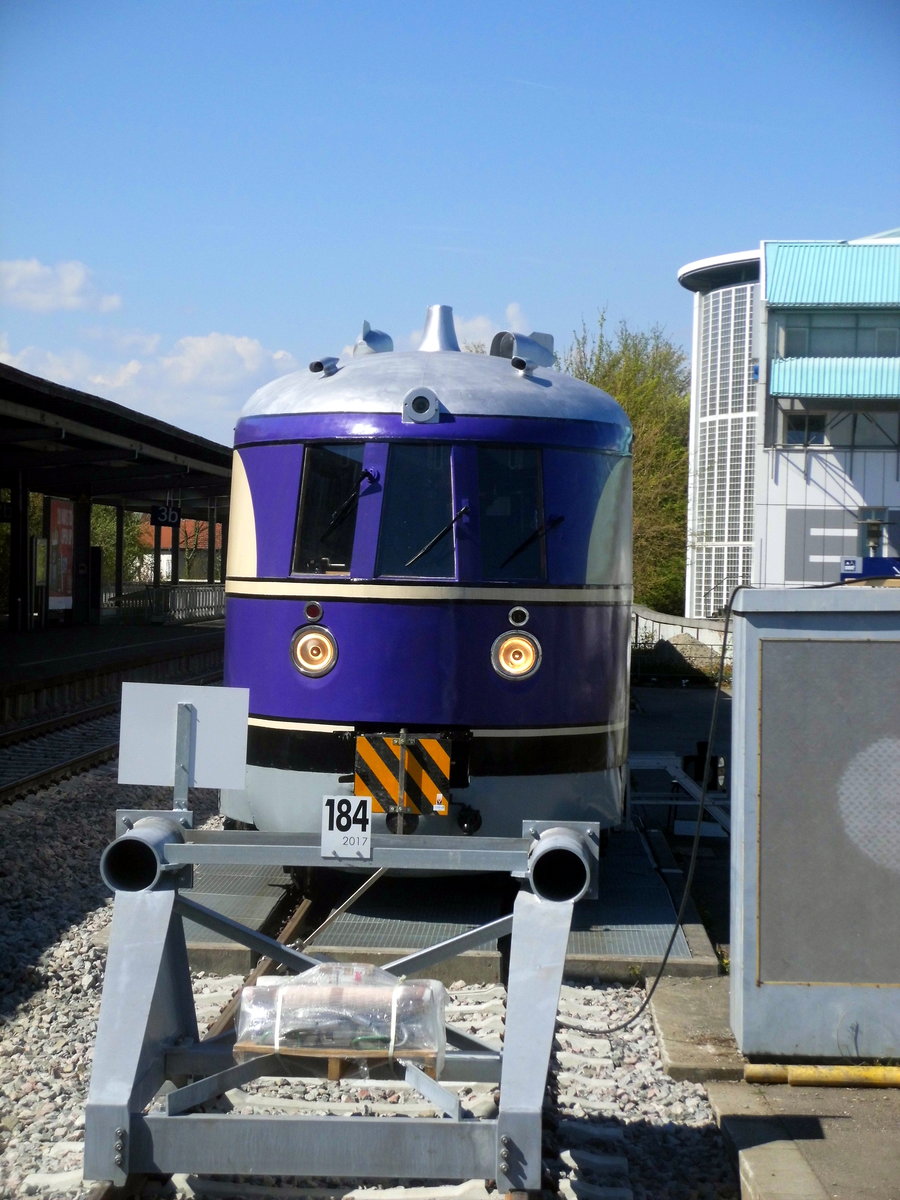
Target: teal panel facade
[
  {"x": 860, "y": 378},
  {"x": 823, "y": 274}
]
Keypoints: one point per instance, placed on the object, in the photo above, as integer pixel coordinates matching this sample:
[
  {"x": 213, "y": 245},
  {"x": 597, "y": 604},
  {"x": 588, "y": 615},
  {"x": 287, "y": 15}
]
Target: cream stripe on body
[
  {"x": 562, "y": 731},
  {"x": 309, "y": 590}
]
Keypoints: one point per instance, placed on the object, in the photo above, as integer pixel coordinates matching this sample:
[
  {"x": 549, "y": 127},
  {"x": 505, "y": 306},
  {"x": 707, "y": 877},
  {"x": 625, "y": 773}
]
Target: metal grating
[
  {"x": 444, "y": 907},
  {"x": 245, "y": 894},
  {"x": 636, "y": 941},
  {"x": 632, "y": 917}
]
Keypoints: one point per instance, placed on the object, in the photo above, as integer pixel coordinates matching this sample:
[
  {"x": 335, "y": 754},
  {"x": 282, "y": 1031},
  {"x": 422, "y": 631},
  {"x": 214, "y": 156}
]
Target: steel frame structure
[{"x": 149, "y": 1049}]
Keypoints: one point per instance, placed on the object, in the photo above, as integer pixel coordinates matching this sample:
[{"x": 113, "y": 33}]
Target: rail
[{"x": 44, "y": 751}]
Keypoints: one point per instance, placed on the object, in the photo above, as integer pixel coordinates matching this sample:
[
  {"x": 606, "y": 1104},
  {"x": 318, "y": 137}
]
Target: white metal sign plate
[
  {"x": 347, "y": 827},
  {"x": 218, "y": 734}
]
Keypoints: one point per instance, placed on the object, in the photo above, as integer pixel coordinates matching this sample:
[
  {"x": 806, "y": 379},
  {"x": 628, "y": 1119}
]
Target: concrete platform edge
[
  {"x": 695, "y": 1038},
  {"x": 770, "y": 1165}
]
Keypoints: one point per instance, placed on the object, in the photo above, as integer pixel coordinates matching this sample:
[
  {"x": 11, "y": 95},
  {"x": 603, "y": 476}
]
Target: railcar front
[{"x": 429, "y": 593}]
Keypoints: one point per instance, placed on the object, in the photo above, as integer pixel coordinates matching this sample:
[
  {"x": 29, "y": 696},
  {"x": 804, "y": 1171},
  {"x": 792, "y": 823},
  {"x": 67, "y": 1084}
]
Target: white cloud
[
  {"x": 475, "y": 331},
  {"x": 30, "y": 284},
  {"x": 200, "y": 384},
  {"x": 214, "y": 359},
  {"x": 70, "y": 367},
  {"x": 118, "y": 377},
  {"x": 516, "y": 321},
  {"x": 133, "y": 341}
]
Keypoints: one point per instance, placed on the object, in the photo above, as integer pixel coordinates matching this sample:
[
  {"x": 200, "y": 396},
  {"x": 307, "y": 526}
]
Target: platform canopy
[{"x": 61, "y": 442}]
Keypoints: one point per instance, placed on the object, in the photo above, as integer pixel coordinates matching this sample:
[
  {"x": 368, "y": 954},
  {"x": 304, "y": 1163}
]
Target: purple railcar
[{"x": 429, "y": 590}]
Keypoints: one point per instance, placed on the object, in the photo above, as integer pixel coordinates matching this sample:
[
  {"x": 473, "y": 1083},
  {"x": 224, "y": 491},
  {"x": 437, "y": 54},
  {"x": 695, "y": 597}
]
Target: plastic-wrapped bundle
[{"x": 346, "y": 1009}]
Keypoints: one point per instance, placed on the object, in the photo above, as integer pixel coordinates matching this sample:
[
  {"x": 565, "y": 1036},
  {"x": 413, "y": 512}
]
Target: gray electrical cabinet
[{"x": 815, "y": 866}]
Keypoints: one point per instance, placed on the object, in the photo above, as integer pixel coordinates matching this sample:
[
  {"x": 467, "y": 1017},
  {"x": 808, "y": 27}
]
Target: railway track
[{"x": 39, "y": 754}]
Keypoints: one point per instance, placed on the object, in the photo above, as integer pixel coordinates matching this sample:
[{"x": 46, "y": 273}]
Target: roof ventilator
[
  {"x": 440, "y": 331},
  {"x": 372, "y": 341},
  {"x": 324, "y": 367},
  {"x": 524, "y": 353}
]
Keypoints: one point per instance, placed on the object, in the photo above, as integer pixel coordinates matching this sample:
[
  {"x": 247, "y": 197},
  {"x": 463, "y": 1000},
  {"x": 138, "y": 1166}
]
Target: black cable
[{"x": 695, "y": 845}]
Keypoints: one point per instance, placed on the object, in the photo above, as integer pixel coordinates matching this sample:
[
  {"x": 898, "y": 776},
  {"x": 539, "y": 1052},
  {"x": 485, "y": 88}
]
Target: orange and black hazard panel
[{"x": 427, "y": 783}]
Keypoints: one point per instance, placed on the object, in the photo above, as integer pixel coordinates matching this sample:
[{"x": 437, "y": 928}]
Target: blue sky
[{"x": 199, "y": 195}]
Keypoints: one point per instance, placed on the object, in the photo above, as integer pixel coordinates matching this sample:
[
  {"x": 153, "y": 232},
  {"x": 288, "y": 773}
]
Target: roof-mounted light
[{"x": 421, "y": 406}]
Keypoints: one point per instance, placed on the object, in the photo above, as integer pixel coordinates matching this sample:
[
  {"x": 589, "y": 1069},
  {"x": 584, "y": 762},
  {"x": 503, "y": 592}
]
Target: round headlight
[
  {"x": 313, "y": 650},
  {"x": 516, "y": 655}
]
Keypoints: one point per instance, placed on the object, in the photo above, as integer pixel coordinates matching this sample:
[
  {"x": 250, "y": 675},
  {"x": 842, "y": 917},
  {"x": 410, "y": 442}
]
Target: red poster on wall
[{"x": 62, "y": 525}]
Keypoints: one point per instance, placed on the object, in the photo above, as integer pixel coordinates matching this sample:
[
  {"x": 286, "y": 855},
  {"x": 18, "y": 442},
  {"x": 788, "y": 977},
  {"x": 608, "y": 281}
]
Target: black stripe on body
[{"x": 334, "y": 753}]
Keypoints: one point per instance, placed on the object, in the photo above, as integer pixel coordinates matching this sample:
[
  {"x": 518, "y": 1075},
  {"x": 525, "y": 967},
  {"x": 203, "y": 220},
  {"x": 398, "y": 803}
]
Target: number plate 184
[{"x": 347, "y": 827}]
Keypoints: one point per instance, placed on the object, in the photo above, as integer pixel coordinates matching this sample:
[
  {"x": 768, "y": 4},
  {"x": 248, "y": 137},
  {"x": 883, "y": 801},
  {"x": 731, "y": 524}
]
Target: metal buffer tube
[
  {"x": 560, "y": 863},
  {"x": 136, "y": 861},
  {"x": 149, "y": 1052}
]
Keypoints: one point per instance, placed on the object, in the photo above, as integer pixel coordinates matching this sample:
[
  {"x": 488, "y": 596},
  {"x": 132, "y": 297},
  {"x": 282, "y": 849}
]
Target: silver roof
[{"x": 465, "y": 385}]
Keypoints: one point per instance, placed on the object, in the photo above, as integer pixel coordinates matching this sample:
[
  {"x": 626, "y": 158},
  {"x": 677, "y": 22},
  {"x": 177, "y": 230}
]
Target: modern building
[{"x": 795, "y": 416}]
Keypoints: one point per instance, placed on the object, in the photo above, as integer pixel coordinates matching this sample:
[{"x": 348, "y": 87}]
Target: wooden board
[{"x": 341, "y": 1059}]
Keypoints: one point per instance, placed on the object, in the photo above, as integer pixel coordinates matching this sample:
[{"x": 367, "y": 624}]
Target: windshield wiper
[
  {"x": 346, "y": 505},
  {"x": 437, "y": 537},
  {"x": 536, "y": 535}
]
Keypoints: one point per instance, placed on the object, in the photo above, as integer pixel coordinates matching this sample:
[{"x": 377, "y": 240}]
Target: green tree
[
  {"x": 650, "y": 378},
  {"x": 103, "y": 534}
]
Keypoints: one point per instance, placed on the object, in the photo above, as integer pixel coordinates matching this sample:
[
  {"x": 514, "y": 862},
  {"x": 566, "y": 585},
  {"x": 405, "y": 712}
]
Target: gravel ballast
[{"x": 616, "y": 1126}]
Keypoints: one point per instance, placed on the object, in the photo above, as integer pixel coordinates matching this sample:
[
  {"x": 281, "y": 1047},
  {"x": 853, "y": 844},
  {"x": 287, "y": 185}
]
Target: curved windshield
[
  {"x": 417, "y": 516},
  {"x": 513, "y": 529},
  {"x": 333, "y": 478}
]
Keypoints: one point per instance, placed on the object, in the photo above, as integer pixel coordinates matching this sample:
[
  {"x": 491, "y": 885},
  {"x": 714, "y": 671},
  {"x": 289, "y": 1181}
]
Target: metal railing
[
  {"x": 195, "y": 602},
  {"x": 169, "y": 605}
]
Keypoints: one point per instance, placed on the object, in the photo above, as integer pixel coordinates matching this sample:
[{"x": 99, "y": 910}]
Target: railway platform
[
  {"x": 61, "y": 666},
  {"x": 792, "y": 1143}
]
